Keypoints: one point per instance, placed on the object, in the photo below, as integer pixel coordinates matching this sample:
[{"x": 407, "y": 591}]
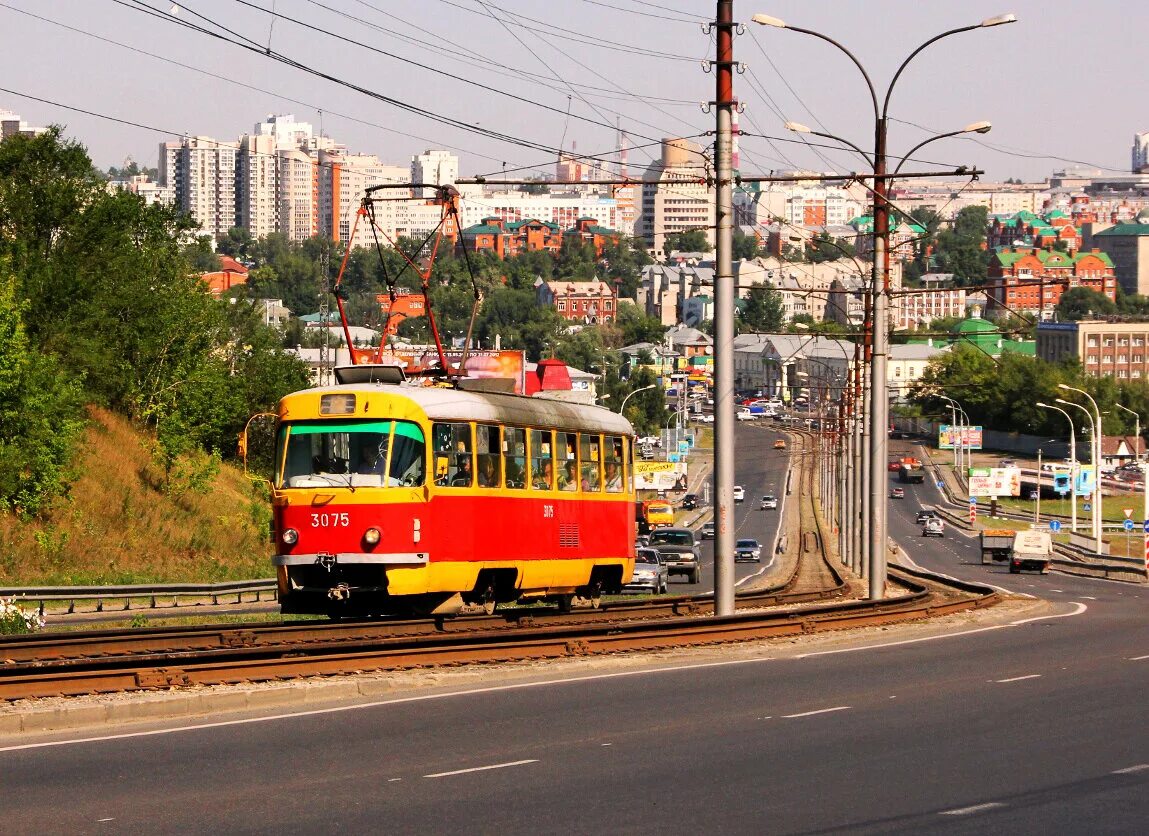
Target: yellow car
[{"x": 779, "y": 445}]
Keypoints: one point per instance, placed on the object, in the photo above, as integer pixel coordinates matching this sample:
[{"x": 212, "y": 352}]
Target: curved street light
[
  {"x": 1072, "y": 465},
  {"x": 1100, "y": 431},
  {"x": 1094, "y": 447},
  {"x": 879, "y": 291},
  {"x": 632, "y": 394}
]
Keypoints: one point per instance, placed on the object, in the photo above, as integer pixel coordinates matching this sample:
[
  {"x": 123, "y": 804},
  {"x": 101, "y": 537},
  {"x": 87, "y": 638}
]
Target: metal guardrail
[{"x": 151, "y": 593}]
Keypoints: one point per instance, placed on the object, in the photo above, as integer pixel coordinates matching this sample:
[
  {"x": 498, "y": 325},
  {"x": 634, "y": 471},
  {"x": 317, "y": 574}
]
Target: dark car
[
  {"x": 707, "y": 530},
  {"x": 690, "y": 502},
  {"x": 679, "y": 549},
  {"x": 924, "y": 515},
  {"x": 650, "y": 573}
]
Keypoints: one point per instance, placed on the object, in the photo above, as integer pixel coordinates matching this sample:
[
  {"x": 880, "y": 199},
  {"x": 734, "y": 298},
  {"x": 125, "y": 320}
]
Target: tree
[
  {"x": 961, "y": 249},
  {"x": 637, "y": 327},
  {"x": 236, "y": 242},
  {"x": 762, "y": 312},
  {"x": 745, "y": 246},
  {"x": 1083, "y": 303},
  {"x": 691, "y": 241}
]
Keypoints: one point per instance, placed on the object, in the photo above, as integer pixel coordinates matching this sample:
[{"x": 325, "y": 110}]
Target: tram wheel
[
  {"x": 489, "y": 602},
  {"x": 565, "y": 602}
]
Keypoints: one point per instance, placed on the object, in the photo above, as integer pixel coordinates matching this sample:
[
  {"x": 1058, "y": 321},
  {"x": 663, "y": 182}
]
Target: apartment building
[
  {"x": 434, "y": 167},
  {"x": 1031, "y": 281},
  {"x": 675, "y": 195},
  {"x": 205, "y": 178},
  {"x": 1104, "y": 349},
  {"x": 935, "y": 299},
  {"x": 1127, "y": 245},
  {"x": 257, "y": 191},
  {"x": 343, "y": 180}
]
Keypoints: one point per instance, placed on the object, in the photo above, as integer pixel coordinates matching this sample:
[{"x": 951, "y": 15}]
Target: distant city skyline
[{"x": 1057, "y": 91}]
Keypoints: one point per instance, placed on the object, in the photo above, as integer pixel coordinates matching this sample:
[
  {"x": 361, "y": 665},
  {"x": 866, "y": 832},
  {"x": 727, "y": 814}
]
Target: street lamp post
[
  {"x": 1137, "y": 431},
  {"x": 879, "y": 290},
  {"x": 632, "y": 394},
  {"x": 1072, "y": 466},
  {"x": 1095, "y": 525},
  {"x": 1145, "y": 479}
]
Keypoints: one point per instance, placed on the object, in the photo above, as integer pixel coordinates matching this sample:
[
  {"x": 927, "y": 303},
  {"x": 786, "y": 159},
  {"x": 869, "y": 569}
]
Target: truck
[
  {"x": 1031, "y": 550},
  {"x": 652, "y": 513},
  {"x": 911, "y": 471},
  {"x": 996, "y": 544}
]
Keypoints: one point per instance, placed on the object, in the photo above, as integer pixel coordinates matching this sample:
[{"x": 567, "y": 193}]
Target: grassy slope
[{"x": 117, "y": 527}]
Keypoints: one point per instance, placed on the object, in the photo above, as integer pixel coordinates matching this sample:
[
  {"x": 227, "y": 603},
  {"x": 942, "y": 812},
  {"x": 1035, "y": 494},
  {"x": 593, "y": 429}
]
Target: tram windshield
[{"x": 353, "y": 454}]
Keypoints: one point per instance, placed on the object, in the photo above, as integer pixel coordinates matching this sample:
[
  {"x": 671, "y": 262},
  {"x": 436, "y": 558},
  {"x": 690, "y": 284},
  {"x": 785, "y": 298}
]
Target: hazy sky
[{"x": 1065, "y": 84}]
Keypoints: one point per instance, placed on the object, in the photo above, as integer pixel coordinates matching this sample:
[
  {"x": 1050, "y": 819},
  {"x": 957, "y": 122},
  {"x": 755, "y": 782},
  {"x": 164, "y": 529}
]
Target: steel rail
[{"x": 250, "y": 664}]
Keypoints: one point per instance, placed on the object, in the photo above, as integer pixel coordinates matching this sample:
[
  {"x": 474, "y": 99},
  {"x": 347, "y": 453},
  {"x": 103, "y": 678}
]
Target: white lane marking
[
  {"x": 493, "y": 689},
  {"x": 812, "y": 713},
  {"x": 977, "y": 808},
  {"x": 765, "y": 566},
  {"x": 1019, "y": 678},
  {"x": 479, "y": 769},
  {"x": 910, "y": 562},
  {"x": 1089, "y": 597},
  {"x": 1138, "y": 658},
  {"x": 1129, "y": 770},
  {"x": 1080, "y": 608}
]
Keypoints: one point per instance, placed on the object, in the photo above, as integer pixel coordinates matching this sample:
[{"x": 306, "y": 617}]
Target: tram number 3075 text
[
  {"x": 548, "y": 511},
  {"x": 341, "y": 520}
]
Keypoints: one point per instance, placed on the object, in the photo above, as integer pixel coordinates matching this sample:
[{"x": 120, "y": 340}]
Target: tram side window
[
  {"x": 453, "y": 465},
  {"x": 566, "y": 454},
  {"x": 612, "y": 464},
  {"x": 590, "y": 450},
  {"x": 515, "y": 457},
  {"x": 542, "y": 461},
  {"x": 487, "y": 450}
]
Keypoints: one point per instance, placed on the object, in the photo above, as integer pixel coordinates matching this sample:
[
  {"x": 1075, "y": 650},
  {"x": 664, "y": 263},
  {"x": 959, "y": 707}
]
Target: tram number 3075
[{"x": 342, "y": 520}]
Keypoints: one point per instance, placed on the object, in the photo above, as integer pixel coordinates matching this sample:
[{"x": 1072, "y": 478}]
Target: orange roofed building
[
  {"x": 229, "y": 274},
  {"x": 588, "y": 302},
  {"x": 507, "y": 239}
]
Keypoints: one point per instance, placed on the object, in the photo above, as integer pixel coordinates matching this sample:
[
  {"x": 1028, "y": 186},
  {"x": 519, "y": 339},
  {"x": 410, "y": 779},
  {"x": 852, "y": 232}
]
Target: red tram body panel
[{"x": 397, "y": 498}]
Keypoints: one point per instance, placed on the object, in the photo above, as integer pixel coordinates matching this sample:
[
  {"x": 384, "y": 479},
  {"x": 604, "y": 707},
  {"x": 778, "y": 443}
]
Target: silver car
[
  {"x": 747, "y": 550},
  {"x": 650, "y": 573}
]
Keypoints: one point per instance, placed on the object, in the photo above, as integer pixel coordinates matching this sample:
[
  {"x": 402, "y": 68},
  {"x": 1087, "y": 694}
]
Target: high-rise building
[
  {"x": 286, "y": 132},
  {"x": 11, "y": 125},
  {"x": 298, "y": 193},
  {"x": 1141, "y": 153},
  {"x": 675, "y": 196},
  {"x": 343, "y": 180},
  {"x": 434, "y": 167},
  {"x": 205, "y": 170},
  {"x": 257, "y": 185}
]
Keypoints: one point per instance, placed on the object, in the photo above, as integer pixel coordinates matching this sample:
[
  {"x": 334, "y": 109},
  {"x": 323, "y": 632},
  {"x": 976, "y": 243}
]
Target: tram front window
[{"x": 350, "y": 454}]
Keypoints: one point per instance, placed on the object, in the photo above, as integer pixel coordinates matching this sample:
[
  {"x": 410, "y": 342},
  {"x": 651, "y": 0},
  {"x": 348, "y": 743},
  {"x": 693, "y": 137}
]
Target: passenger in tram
[
  {"x": 545, "y": 479},
  {"x": 612, "y": 478},
  {"x": 568, "y": 479},
  {"x": 488, "y": 473}
]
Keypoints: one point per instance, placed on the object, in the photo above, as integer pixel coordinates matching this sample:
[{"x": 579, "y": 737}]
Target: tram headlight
[
  {"x": 290, "y": 536},
  {"x": 371, "y": 537}
]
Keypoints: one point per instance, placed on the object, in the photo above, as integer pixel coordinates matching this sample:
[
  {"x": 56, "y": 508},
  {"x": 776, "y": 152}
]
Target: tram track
[{"x": 132, "y": 660}]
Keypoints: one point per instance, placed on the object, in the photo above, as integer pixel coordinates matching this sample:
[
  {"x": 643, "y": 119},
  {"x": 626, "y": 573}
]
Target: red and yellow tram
[{"x": 392, "y": 498}]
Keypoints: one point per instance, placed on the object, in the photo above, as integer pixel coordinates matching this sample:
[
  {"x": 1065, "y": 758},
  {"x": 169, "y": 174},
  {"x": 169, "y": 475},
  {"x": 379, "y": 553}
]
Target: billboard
[
  {"x": 995, "y": 481},
  {"x": 480, "y": 363},
  {"x": 659, "y": 476},
  {"x": 951, "y": 436}
]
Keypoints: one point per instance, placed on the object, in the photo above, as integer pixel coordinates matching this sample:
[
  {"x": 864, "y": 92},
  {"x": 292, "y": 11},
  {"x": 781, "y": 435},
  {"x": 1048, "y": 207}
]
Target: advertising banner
[
  {"x": 1086, "y": 481},
  {"x": 952, "y": 436},
  {"x": 994, "y": 481},
  {"x": 659, "y": 476},
  {"x": 480, "y": 363}
]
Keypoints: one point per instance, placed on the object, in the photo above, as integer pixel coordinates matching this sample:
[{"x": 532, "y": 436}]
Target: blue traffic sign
[
  {"x": 1128, "y": 525},
  {"x": 940, "y": 484},
  {"x": 1055, "y": 526},
  {"x": 1088, "y": 507},
  {"x": 1147, "y": 526},
  {"x": 973, "y": 500}
]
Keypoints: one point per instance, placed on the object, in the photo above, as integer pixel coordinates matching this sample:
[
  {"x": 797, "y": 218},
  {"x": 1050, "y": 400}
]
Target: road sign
[
  {"x": 973, "y": 502},
  {"x": 973, "y": 513},
  {"x": 1087, "y": 507},
  {"x": 1147, "y": 526},
  {"x": 1055, "y": 526},
  {"x": 1128, "y": 525},
  {"x": 940, "y": 484},
  {"x": 1128, "y": 512}
]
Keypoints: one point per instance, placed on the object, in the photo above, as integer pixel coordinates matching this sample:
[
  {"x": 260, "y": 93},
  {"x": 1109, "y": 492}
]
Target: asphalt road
[
  {"x": 760, "y": 470},
  {"x": 1023, "y": 724}
]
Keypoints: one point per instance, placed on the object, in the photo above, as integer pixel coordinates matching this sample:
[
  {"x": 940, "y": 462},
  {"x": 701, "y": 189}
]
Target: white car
[
  {"x": 739, "y": 493},
  {"x": 769, "y": 502},
  {"x": 744, "y": 415},
  {"x": 706, "y": 419}
]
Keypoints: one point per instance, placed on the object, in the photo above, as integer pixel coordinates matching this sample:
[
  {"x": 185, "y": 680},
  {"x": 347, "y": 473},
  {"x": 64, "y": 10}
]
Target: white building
[
  {"x": 343, "y": 179},
  {"x": 562, "y": 208},
  {"x": 257, "y": 185},
  {"x": 675, "y": 196},
  {"x": 205, "y": 170},
  {"x": 434, "y": 167},
  {"x": 1140, "y": 155},
  {"x": 11, "y": 125},
  {"x": 936, "y": 298}
]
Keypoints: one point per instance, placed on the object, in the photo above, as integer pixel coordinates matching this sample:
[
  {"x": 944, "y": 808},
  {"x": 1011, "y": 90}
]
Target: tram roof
[{"x": 447, "y": 404}]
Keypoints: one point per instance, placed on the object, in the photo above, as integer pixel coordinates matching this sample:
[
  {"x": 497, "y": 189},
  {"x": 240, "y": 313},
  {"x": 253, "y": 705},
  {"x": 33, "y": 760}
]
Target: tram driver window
[{"x": 515, "y": 457}]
